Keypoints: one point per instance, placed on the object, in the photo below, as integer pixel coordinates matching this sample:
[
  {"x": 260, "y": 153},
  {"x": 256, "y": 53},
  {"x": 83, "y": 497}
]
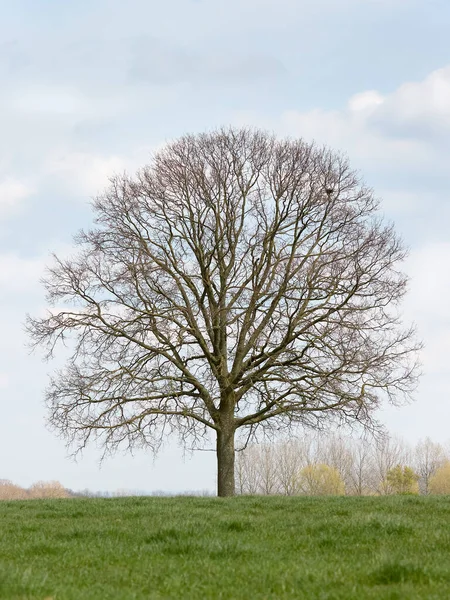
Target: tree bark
[{"x": 225, "y": 462}]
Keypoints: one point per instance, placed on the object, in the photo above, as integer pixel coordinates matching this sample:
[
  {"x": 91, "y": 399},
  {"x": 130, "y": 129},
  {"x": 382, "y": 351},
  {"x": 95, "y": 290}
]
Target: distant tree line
[
  {"x": 336, "y": 465},
  {"x": 54, "y": 489},
  {"x": 320, "y": 464},
  {"x": 40, "y": 489}
]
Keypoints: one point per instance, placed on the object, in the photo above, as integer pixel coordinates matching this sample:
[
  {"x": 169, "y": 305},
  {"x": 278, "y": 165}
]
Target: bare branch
[{"x": 236, "y": 281}]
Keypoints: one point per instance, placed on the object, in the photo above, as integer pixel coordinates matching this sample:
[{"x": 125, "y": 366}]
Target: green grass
[{"x": 239, "y": 548}]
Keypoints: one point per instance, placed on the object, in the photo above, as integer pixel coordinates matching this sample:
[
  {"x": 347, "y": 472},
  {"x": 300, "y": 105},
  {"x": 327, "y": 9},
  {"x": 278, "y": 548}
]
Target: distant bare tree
[
  {"x": 240, "y": 474},
  {"x": 268, "y": 470},
  {"x": 290, "y": 460},
  {"x": 48, "y": 489},
  {"x": 10, "y": 491},
  {"x": 388, "y": 453},
  {"x": 236, "y": 283},
  {"x": 428, "y": 458},
  {"x": 335, "y": 451},
  {"x": 361, "y": 478},
  {"x": 257, "y": 470},
  {"x": 248, "y": 471}
]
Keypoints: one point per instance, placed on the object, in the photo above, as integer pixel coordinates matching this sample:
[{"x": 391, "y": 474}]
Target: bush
[
  {"x": 9, "y": 491},
  {"x": 440, "y": 482},
  {"x": 48, "y": 489},
  {"x": 321, "y": 480},
  {"x": 402, "y": 480}
]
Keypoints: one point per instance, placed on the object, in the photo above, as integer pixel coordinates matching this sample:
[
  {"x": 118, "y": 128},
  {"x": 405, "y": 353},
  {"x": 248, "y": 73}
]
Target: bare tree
[
  {"x": 335, "y": 451},
  {"x": 274, "y": 468},
  {"x": 290, "y": 461},
  {"x": 248, "y": 470},
  {"x": 237, "y": 282},
  {"x": 268, "y": 470},
  {"x": 428, "y": 458},
  {"x": 240, "y": 472},
  {"x": 389, "y": 452},
  {"x": 257, "y": 470},
  {"x": 48, "y": 489},
  {"x": 10, "y": 491},
  {"x": 361, "y": 477}
]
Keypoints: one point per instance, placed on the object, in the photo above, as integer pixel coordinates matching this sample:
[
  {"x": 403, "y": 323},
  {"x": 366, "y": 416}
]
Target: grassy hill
[{"x": 240, "y": 548}]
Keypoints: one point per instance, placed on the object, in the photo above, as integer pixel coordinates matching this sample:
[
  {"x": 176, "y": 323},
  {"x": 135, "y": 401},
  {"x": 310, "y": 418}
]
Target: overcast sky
[{"x": 89, "y": 88}]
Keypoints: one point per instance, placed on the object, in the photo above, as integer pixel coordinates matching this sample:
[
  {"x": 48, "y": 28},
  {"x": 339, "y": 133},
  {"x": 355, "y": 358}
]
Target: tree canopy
[
  {"x": 403, "y": 480},
  {"x": 236, "y": 282}
]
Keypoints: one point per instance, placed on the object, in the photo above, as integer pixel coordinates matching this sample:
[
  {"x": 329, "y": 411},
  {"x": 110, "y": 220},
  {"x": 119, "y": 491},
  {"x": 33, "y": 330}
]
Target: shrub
[
  {"x": 402, "y": 480},
  {"x": 321, "y": 480},
  {"x": 440, "y": 482}
]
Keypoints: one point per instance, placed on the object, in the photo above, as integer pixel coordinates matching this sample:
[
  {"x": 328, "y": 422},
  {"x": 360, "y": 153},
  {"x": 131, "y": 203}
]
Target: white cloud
[
  {"x": 429, "y": 269},
  {"x": 87, "y": 174},
  {"x": 425, "y": 102},
  {"x": 366, "y": 101},
  {"x": 12, "y": 193},
  {"x": 19, "y": 274},
  {"x": 427, "y": 303}
]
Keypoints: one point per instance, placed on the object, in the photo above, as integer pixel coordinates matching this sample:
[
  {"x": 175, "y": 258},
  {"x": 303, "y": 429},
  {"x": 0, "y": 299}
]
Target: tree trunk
[{"x": 225, "y": 462}]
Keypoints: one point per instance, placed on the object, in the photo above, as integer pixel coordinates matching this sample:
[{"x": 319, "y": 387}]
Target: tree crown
[{"x": 236, "y": 281}]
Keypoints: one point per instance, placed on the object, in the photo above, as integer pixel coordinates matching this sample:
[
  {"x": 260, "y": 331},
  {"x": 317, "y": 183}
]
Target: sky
[{"x": 90, "y": 88}]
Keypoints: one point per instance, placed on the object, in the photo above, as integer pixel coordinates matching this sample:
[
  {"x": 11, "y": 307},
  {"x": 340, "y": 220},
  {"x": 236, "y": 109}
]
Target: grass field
[{"x": 245, "y": 547}]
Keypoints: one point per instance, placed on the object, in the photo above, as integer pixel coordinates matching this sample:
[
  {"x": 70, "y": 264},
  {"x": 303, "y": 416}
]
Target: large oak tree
[{"x": 236, "y": 282}]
